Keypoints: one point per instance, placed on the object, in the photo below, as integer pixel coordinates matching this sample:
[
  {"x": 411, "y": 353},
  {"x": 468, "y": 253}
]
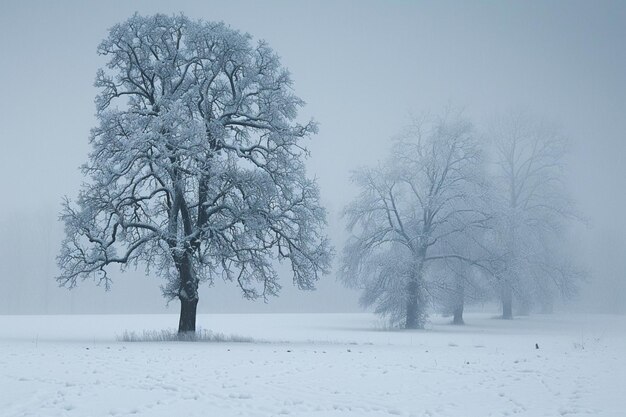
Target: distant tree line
[{"x": 454, "y": 216}]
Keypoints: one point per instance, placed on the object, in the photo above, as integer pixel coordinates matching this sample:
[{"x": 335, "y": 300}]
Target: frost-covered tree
[
  {"x": 410, "y": 213},
  {"x": 531, "y": 208},
  {"x": 197, "y": 166}
]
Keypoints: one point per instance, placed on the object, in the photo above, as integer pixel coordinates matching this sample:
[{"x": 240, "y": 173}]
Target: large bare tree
[
  {"x": 197, "y": 165},
  {"x": 410, "y": 212}
]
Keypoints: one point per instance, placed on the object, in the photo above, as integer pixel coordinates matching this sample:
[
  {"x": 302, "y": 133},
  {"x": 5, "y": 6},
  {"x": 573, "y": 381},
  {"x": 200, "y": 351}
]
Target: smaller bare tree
[
  {"x": 409, "y": 213},
  {"x": 532, "y": 207}
]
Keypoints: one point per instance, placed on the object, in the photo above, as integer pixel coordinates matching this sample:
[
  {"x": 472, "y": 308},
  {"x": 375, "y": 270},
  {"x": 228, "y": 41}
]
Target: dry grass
[{"x": 169, "y": 335}]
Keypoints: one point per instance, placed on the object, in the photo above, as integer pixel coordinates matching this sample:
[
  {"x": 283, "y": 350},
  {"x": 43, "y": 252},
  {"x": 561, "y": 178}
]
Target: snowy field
[{"x": 314, "y": 365}]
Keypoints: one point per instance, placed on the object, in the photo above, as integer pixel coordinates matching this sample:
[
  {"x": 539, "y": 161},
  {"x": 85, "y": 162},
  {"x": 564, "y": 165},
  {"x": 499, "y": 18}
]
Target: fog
[{"x": 363, "y": 68}]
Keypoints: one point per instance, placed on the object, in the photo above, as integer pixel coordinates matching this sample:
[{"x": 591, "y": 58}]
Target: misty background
[{"x": 364, "y": 68}]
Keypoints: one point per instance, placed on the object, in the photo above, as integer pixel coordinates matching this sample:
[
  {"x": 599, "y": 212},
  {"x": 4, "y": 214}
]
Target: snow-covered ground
[{"x": 314, "y": 365}]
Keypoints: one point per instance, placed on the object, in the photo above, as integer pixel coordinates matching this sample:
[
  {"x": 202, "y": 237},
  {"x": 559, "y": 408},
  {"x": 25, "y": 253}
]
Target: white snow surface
[{"x": 314, "y": 365}]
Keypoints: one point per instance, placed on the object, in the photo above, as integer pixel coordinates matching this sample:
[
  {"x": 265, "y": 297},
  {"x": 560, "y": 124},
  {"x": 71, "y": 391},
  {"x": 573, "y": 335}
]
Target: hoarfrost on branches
[{"x": 197, "y": 165}]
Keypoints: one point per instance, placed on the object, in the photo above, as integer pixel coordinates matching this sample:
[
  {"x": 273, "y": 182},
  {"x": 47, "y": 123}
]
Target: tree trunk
[
  {"x": 188, "y": 295},
  {"x": 187, "y": 321},
  {"x": 507, "y": 302},
  {"x": 459, "y": 304},
  {"x": 412, "y": 306},
  {"x": 458, "y": 315}
]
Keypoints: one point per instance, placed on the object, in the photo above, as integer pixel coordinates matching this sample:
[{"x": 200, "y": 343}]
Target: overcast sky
[{"x": 362, "y": 67}]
